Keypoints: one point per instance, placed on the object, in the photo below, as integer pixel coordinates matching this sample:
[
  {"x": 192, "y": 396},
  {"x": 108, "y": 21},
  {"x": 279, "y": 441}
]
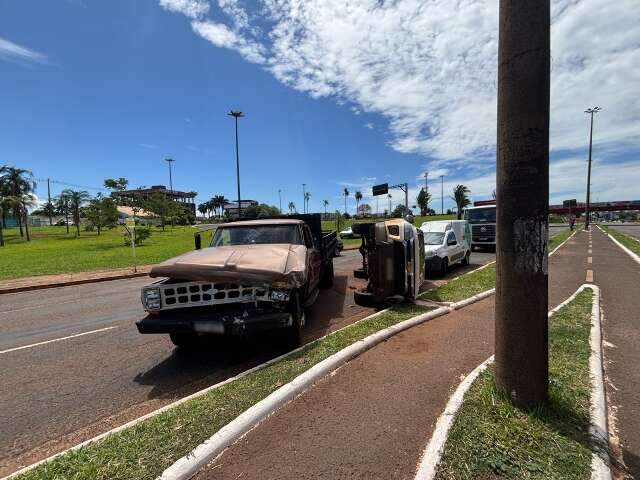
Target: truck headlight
[
  {"x": 279, "y": 295},
  {"x": 151, "y": 298}
]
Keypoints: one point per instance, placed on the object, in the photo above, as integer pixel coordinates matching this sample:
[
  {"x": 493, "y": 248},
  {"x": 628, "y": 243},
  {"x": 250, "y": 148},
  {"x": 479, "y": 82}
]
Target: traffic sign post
[
  {"x": 130, "y": 225},
  {"x": 381, "y": 189}
]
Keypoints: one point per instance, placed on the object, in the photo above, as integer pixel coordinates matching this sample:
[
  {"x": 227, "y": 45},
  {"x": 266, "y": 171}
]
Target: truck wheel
[
  {"x": 293, "y": 334},
  {"x": 327, "y": 276},
  {"x": 183, "y": 340},
  {"x": 360, "y": 273},
  {"x": 444, "y": 266},
  {"x": 364, "y": 299},
  {"x": 465, "y": 260}
]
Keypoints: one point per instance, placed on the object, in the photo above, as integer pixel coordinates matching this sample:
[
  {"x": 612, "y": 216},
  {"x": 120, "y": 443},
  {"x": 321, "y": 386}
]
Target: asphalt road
[
  {"x": 631, "y": 230},
  {"x": 74, "y": 365}
]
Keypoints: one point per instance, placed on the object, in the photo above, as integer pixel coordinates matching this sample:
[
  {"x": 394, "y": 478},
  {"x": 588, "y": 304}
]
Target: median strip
[
  {"x": 146, "y": 449},
  {"x": 490, "y": 438}
]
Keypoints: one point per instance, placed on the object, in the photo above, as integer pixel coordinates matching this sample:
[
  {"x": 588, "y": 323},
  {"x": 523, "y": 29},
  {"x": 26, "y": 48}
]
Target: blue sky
[{"x": 336, "y": 94}]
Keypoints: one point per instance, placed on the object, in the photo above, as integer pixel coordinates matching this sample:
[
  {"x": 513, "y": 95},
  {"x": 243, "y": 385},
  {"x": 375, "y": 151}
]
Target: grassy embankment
[
  {"x": 492, "y": 439},
  {"x": 478, "y": 281},
  {"x": 52, "y": 251},
  {"x": 628, "y": 241}
]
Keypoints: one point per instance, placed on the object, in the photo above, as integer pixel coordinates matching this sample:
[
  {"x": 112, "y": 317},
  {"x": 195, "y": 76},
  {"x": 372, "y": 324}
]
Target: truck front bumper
[{"x": 238, "y": 321}]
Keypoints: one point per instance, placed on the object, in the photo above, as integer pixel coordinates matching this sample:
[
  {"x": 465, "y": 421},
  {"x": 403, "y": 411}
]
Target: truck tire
[
  {"x": 184, "y": 340},
  {"x": 360, "y": 273},
  {"x": 364, "y": 299},
  {"x": 293, "y": 334},
  {"x": 327, "y": 276}
]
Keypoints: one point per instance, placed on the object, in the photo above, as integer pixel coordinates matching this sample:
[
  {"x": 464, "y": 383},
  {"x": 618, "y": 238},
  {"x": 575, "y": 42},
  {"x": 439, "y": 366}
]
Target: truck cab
[
  {"x": 482, "y": 220},
  {"x": 446, "y": 243}
]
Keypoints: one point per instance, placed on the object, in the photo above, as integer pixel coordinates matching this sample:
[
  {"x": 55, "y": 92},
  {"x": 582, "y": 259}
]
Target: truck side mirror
[{"x": 197, "y": 240}]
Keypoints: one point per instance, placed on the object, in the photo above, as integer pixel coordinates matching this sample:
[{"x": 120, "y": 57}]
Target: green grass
[
  {"x": 492, "y": 439},
  {"x": 631, "y": 243},
  {"x": 145, "y": 450},
  {"x": 52, "y": 251},
  {"x": 476, "y": 281}
]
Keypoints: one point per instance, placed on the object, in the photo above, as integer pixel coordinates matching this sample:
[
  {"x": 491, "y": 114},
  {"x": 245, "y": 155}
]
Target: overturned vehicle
[
  {"x": 392, "y": 262},
  {"x": 256, "y": 275}
]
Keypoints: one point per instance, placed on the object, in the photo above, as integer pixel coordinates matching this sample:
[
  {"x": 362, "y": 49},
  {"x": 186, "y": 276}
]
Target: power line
[{"x": 59, "y": 182}]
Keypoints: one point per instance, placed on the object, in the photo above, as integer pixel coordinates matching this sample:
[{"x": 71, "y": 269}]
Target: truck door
[{"x": 314, "y": 259}]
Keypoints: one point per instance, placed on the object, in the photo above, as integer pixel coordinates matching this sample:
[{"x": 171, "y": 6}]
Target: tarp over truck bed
[{"x": 275, "y": 265}]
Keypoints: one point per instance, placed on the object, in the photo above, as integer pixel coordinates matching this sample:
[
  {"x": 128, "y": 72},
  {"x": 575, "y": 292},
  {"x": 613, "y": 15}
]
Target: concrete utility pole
[
  {"x": 237, "y": 115},
  {"x": 590, "y": 111},
  {"x": 170, "y": 161},
  {"x": 521, "y": 353},
  {"x": 280, "y": 200},
  {"x": 442, "y": 194},
  {"x": 426, "y": 188}
]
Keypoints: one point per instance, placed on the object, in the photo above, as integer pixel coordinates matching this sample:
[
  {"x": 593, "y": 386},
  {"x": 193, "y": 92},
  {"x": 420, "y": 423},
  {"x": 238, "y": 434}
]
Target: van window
[
  {"x": 433, "y": 238},
  {"x": 451, "y": 237}
]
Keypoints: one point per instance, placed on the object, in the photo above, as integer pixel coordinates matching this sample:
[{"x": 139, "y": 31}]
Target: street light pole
[
  {"x": 170, "y": 161},
  {"x": 236, "y": 115},
  {"x": 280, "y": 200},
  {"x": 590, "y": 111},
  {"x": 522, "y": 178},
  {"x": 441, "y": 194}
]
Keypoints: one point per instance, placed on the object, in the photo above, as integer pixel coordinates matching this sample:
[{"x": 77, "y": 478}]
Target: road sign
[
  {"x": 381, "y": 189},
  {"x": 570, "y": 203}
]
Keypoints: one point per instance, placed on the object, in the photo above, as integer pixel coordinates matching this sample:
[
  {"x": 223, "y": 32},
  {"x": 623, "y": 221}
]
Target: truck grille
[
  {"x": 195, "y": 294},
  {"x": 489, "y": 230}
]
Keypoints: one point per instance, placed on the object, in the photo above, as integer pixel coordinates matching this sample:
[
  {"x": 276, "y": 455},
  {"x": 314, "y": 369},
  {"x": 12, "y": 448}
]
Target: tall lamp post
[
  {"x": 170, "y": 161},
  {"x": 236, "y": 115},
  {"x": 590, "y": 111},
  {"x": 280, "y": 200}
]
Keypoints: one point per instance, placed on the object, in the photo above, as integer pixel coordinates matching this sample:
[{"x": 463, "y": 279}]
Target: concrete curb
[
  {"x": 188, "y": 465},
  {"x": 600, "y": 466},
  {"x": 68, "y": 283},
  {"x": 617, "y": 242}
]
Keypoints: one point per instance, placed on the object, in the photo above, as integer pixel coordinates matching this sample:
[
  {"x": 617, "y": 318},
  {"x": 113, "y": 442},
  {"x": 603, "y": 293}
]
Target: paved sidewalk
[
  {"x": 66, "y": 279},
  {"x": 619, "y": 279},
  {"x": 372, "y": 418}
]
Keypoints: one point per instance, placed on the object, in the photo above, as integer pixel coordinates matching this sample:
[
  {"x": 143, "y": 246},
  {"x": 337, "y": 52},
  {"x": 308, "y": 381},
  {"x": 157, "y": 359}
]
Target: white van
[{"x": 446, "y": 242}]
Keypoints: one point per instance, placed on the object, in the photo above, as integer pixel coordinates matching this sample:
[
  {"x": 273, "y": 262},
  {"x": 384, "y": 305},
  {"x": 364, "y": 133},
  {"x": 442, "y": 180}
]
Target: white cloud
[
  {"x": 13, "y": 51},
  {"x": 191, "y": 8}
]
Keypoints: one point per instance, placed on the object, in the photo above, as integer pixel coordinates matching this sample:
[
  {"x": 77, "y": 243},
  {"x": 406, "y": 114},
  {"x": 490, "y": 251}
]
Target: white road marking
[
  {"x": 589, "y": 276},
  {"x": 590, "y": 251},
  {"x": 56, "y": 340},
  {"x": 589, "y": 259}
]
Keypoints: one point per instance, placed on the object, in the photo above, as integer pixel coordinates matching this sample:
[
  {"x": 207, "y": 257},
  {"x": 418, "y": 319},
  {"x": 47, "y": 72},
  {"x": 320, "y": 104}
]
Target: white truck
[{"x": 446, "y": 242}]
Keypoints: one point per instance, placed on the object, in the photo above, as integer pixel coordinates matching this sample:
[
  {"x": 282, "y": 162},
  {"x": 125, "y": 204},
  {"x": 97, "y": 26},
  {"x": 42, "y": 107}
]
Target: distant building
[
  {"x": 232, "y": 207},
  {"x": 186, "y": 199},
  {"x": 142, "y": 216}
]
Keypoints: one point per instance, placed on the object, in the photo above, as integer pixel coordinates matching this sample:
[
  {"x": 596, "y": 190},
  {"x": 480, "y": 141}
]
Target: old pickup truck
[{"x": 256, "y": 275}]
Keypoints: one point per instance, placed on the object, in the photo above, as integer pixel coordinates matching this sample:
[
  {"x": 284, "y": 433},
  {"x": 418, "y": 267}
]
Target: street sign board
[
  {"x": 570, "y": 203},
  {"x": 381, "y": 189}
]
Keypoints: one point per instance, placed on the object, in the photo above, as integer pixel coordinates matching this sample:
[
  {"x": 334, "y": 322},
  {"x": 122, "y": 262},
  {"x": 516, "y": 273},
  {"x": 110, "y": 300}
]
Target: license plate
[{"x": 209, "y": 327}]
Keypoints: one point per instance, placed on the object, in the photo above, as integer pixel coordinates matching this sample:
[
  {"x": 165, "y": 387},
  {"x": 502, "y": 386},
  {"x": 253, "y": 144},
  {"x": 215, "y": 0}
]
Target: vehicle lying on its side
[
  {"x": 256, "y": 275},
  {"x": 393, "y": 262},
  {"x": 446, "y": 242}
]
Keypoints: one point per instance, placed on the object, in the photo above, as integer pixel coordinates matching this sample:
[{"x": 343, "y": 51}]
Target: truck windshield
[
  {"x": 258, "y": 234},
  {"x": 433, "y": 238},
  {"x": 481, "y": 215}
]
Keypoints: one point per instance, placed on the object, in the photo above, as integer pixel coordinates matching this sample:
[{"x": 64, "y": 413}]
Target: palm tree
[
  {"x": 345, "y": 192},
  {"x": 325, "y": 203},
  {"x": 76, "y": 199},
  {"x": 460, "y": 196},
  {"x": 63, "y": 207},
  {"x": 307, "y": 196},
  {"x": 219, "y": 201},
  {"x": 358, "y": 197},
  {"x": 22, "y": 204},
  {"x": 203, "y": 208},
  {"x": 292, "y": 207},
  {"x": 17, "y": 182}
]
